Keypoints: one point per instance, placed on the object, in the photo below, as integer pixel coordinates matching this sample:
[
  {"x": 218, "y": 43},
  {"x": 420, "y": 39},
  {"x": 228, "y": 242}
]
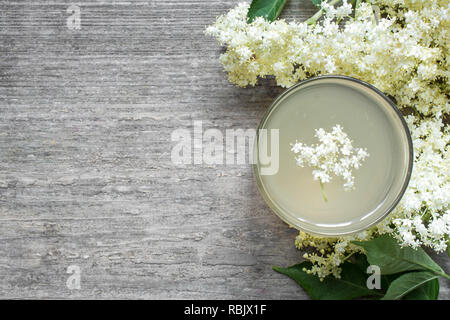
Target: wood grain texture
[{"x": 86, "y": 178}]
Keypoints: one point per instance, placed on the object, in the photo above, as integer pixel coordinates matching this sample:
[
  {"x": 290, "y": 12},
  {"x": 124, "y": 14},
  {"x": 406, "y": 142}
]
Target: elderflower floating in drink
[{"x": 334, "y": 154}]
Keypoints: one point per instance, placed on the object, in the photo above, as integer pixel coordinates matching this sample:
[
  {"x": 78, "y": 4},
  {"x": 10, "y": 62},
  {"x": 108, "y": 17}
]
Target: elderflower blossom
[
  {"x": 403, "y": 51},
  {"x": 403, "y": 54},
  {"x": 334, "y": 155}
]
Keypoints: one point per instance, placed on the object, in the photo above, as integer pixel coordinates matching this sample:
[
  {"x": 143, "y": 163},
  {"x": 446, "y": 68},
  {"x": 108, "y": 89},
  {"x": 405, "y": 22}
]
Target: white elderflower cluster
[
  {"x": 403, "y": 54},
  {"x": 399, "y": 46},
  {"x": 423, "y": 215},
  {"x": 334, "y": 154}
]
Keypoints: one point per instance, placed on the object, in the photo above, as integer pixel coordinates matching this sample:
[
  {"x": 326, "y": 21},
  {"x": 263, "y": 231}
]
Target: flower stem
[
  {"x": 348, "y": 256},
  {"x": 444, "y": 275},
  {"x": 323, "y": 192},
  {"x": 319, "y": 13},
  {"x": 358, "y": 2}
]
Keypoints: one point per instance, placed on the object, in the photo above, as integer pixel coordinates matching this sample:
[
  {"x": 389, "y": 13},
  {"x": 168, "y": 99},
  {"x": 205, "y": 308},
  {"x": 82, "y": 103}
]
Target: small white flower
[
  {"x": 334, "y": 155},
  {"x": 438, "y": 227}
]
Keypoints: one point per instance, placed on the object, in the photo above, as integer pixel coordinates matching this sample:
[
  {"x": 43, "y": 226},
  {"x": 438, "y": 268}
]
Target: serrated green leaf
[
  {"x": 352, "y": 283},
  {"x": 427, "y": 291},
  {"x": 407, "y": 283},
  {"x": 386, "y": 253},
  {"x": 268, "y": 9}
]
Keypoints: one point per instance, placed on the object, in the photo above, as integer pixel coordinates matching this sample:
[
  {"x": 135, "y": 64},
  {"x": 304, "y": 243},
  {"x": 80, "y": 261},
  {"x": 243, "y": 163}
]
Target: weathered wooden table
[{"x": 86, "y": 177}]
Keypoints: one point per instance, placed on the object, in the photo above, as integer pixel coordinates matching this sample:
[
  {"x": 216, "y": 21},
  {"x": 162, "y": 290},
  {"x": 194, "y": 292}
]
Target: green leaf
[
  {"x": 360, "y": 261},
  {"x": 317, "y": 3},
  {"x": 352, "y": 283},
  {"x": 407, "y": 283},
  {"x": 268, "y": 9},
  {"x": 386, "y": 253},
  {"x": 427, "y": 291}
]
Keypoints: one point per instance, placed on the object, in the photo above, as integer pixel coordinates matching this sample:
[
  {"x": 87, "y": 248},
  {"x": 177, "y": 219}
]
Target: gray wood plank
[{"x": 86, "y": 178}]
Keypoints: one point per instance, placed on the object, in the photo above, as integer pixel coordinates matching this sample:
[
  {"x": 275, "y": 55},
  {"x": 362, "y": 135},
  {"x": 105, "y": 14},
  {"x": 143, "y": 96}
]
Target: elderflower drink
[{"x": 344, "y": 156}]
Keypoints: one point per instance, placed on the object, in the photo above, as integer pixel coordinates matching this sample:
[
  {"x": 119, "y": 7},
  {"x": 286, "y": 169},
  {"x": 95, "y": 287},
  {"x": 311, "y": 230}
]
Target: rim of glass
[{"x": 286, "y": 218}]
